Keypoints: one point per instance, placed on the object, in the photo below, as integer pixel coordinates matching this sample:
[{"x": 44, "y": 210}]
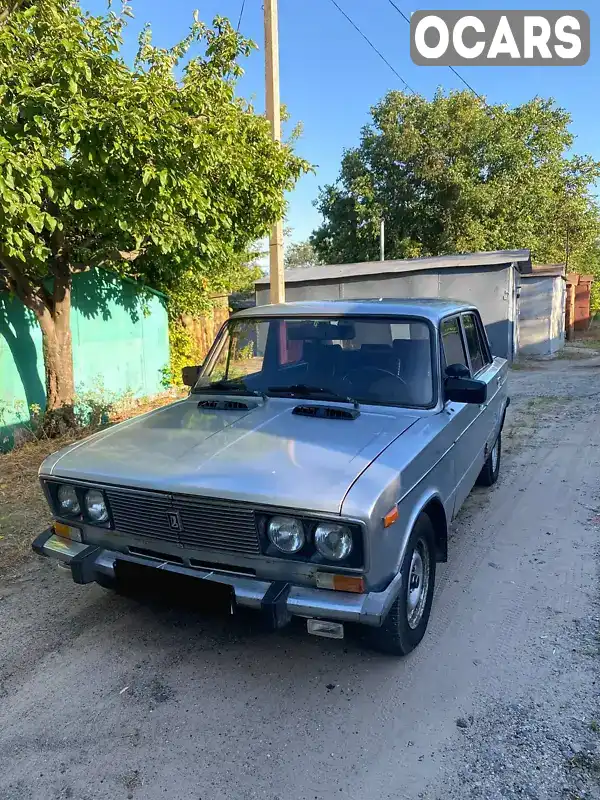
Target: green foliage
[
  {"x": 452, "y": 175},
  {"x": 94, "y": 404},
  {"x": 157, "y": 171},
  {"x": 17, "y": 415},
  {"x": 301, "y": 254},
  {"x": 115, "y": 162},
  {"x": 183, "y": 352},
  {"x": 192, "y": 296}
]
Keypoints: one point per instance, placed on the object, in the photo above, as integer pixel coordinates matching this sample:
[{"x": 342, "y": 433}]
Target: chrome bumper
[{"x": 88, "y": 562}]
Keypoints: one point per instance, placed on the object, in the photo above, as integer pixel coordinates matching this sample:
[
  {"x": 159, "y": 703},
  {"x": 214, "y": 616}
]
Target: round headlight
[
  {"x": 68, "y": 502},
  {"x": 334, "y": 541},
  {"x": 287, "y": 534},
  {"x": 95, "y": 506}
]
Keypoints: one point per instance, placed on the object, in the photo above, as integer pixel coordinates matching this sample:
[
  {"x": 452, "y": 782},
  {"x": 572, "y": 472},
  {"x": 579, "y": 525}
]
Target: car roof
[{"x": 433, "y": 309}]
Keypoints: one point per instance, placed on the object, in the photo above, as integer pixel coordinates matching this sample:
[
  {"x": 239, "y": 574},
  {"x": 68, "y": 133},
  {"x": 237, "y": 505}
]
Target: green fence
[{"x": 120, "y": 341}]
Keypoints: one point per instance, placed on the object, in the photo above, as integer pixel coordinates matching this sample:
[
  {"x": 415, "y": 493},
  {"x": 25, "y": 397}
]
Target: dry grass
[{"x": 23, "y": 509}]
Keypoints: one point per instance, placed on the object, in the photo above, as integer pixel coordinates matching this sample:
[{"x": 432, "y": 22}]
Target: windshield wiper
[
  {"x": 302, "y": 389},
  {"x": 230, "y": 387}
]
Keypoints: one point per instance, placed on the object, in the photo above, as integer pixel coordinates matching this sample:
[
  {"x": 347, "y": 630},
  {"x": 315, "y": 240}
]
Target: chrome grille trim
[{"x": 206, "y": 523}]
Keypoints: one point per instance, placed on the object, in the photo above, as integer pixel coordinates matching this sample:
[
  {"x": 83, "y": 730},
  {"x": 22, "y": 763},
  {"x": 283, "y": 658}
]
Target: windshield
[{"x": 363, "y": 359}]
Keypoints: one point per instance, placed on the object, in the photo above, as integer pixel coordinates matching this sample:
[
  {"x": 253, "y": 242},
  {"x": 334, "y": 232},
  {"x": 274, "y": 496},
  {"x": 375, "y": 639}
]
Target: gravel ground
[{"x": 107, "y": 697}]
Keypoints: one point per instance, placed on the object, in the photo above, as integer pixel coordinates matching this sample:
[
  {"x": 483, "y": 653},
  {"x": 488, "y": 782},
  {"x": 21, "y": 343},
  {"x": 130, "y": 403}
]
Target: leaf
[
  {"x": 73, "y": 86},
  {"x": 50, "y": 223},
  {"x": 78, "y": 204}
]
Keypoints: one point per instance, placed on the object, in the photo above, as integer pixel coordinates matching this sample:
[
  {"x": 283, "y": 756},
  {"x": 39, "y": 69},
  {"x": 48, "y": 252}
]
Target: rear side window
[
  {"x": 475, "y": 344},
  {"x": 454, "y": 351}
]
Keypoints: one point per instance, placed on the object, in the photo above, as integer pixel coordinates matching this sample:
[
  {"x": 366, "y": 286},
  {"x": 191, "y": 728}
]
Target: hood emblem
[{"x": 174, "y": 520}]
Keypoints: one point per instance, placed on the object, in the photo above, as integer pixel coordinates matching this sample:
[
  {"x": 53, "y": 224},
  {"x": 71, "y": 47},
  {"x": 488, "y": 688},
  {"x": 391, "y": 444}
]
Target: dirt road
[{"x": 105, "y": 697}]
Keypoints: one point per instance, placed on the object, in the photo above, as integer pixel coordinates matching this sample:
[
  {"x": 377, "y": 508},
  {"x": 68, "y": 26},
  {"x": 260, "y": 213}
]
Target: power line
[
  {"x": 468, "y": 85},
  {"x": 458, "y": 75},
  {"x": 241, "y": 14},
  {"x": 372, "y": 46},
  {"x": 399, "y": 10}
]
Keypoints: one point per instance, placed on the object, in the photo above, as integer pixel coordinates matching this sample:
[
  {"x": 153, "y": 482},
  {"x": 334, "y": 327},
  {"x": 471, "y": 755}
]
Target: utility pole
[
  {"x": 273, "y": 108},
  {"x": 382, "y": 240}
]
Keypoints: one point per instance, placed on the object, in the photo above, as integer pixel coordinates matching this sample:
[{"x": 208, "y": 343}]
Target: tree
[
  {"x": 133, "y": 169},
  {"x": 301, "y": 254},
  {"x": 455, "y": 175}
]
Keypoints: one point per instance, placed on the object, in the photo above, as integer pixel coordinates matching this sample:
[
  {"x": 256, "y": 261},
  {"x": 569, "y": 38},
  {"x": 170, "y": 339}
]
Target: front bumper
[{"x": 278, "y": 600}]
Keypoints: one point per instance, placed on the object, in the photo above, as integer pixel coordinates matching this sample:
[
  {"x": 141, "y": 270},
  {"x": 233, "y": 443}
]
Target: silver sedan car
[{"x": 312, "y": 471}]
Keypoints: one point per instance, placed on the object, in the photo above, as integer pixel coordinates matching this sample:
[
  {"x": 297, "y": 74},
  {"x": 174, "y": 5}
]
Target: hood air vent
[
  {"x": 326, "y": 412},
  {"x": 224, "y": 405}
]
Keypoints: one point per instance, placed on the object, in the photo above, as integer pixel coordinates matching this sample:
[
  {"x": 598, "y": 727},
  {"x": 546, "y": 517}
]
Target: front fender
[{"x": 410, "y": 508}]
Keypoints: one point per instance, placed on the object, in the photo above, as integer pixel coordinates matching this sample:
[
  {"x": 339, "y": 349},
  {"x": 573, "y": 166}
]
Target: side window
[
  {"x": 477, "y": 350},
  {"x": 485, "y": 345},
  {"x": 454, "y": 351}
]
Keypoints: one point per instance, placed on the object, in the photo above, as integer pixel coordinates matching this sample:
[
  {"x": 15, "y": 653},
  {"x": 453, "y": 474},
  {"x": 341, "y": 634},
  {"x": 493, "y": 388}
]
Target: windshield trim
[{"x": 219, "y": 342}]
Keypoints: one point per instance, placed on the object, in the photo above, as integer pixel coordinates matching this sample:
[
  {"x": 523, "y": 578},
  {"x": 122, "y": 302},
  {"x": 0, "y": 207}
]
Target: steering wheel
[{"x": 368, "y": 368}]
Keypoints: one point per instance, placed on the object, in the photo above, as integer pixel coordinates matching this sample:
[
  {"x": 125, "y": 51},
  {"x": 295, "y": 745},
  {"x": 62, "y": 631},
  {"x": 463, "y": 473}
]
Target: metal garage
[
  {"x": 542, "y": 311},
  {"x": 490, "y": 281}
]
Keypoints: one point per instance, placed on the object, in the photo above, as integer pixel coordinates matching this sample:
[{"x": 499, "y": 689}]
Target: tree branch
[
  {"x": 35, "y": 297},
  {"x": 9, "y": 8},
  {"x": 108, "y": 257},
  {"x": 5, "y": 282}
]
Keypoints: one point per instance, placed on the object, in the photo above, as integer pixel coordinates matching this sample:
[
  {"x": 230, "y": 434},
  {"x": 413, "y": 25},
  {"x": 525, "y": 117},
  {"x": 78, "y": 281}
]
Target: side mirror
[
  {"x": 190, "y": 375},
  {"x": 459, "y": 387},
  {"x": 457, "y": 371}
]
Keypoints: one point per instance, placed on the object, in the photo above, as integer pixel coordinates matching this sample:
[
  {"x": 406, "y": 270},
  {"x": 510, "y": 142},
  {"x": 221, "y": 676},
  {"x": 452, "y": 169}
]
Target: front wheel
[
  {"x": 406, "y": 622},
  {"x": 491, "y": 469}
]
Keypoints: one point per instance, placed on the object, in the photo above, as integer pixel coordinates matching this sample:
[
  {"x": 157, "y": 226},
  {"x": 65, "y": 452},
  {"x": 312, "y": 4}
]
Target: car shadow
[{"x": 177, "y": 615}]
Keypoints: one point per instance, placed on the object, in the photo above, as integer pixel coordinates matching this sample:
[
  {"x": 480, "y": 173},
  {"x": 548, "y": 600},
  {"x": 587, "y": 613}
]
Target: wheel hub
[
  {"x": 495, "y": 457},
  {"x": 418, "y": 584}
]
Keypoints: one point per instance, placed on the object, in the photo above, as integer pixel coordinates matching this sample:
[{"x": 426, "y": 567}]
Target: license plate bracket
[{"x": 175, "y": 587}]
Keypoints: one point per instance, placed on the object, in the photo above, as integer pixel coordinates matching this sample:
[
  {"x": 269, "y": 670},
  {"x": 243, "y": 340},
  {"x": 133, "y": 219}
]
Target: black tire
[
  {"x": 397, "y": 636},
  {"x": 491, "y": 469}
]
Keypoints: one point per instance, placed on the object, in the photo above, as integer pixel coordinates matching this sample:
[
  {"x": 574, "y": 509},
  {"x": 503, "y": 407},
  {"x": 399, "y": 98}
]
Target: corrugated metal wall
[
  {"x": 491, "y": 289},
  {"x": 541, "y": 315},
  {"x": 120, "y": 340}
]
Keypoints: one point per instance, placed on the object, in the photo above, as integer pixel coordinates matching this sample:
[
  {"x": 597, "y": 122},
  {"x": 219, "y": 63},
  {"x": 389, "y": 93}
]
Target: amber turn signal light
[
  {"x": 340, "y": 583},
  {"x": 67, "y": 531},
  {"x": 391, "y": 517}
]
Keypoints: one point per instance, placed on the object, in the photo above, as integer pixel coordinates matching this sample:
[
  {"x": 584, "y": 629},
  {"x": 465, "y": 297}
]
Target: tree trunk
[
  {"x": 53, "y": 313},
  {"x": 55, "y": 323}
]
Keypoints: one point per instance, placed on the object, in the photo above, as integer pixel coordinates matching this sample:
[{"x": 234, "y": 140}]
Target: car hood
[{"x": 264, "y": 454}]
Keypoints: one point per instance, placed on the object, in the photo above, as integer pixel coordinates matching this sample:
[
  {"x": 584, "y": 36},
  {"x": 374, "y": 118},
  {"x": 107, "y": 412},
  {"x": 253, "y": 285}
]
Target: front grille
[{"x": 185, "y": 520}]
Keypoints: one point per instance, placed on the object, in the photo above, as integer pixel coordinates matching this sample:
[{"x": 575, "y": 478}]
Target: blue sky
[{"x": 330, "y": 77}]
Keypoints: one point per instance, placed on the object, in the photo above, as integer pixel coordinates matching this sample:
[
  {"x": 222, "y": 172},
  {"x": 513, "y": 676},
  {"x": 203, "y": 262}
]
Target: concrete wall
[
  {"x": 491, "y": 289},
  {"x": 120, "y": 340},
  {"x": 541, "y": 315}
]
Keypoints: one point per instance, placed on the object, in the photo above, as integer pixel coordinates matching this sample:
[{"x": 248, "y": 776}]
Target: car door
[
  {"x": 493, "y": 372},
  {"x": 461, "y": 416}
]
